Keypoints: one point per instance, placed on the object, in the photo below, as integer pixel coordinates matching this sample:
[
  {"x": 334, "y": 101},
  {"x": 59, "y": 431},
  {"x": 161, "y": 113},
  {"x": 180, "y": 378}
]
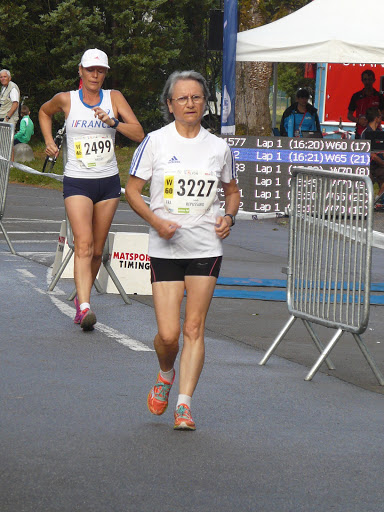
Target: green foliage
[
  {"x": 291, "y": 78},
  {"x": 41, "y": 42}
]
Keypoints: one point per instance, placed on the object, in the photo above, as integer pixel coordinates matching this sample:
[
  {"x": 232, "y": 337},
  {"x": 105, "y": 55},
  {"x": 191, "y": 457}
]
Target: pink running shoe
[
  {"x": 87, "y": 319},
  {"x": 78, "y": 311},
  {"x": 157, "y": 400}
]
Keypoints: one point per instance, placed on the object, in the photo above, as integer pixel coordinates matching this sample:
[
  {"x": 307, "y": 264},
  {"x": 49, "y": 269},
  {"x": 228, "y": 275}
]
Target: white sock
[
  {"x": 168, "y": 376},
  {"x": 184, "y": 399},
  {"x": 85, "y": 305}
]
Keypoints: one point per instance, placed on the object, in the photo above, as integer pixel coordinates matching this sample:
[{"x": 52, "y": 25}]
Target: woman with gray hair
[{"x": 185, "y": 164}]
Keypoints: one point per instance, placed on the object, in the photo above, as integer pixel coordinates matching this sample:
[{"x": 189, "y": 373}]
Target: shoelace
[
  {"x": 184, "y": 412},
  {"x": 161, "y": 389}
]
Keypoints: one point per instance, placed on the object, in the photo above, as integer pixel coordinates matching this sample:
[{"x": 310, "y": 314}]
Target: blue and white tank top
[{"x": 90, "y": 143}]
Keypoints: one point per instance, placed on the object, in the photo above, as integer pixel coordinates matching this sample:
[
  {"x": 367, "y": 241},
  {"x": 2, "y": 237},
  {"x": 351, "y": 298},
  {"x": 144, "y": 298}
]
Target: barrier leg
[
  {"x": 7, "y": 238},
  {"x": 60, "y": 270},
  {"x": 318, "y": 343},
  {"x": 96, "y": 284},
  {"x": 369, "y": 359},
  {"x": 278, "y": 340},
  {"x": 100, "y": 290},
  {"x": 72, "y": 295},
  {"x": 324, "y": 354},
  {"x": 107, "y": 265},
  {"x": 116, "y": 282}
]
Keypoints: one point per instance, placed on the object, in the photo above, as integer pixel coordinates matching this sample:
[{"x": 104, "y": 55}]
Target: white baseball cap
[{"x": 94, "y": 57}]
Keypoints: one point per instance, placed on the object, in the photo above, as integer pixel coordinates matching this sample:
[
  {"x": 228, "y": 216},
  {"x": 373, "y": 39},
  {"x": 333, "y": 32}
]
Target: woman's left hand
[
  {"x": 103, "y": 116},
  {"x": 222, "y": 227}
]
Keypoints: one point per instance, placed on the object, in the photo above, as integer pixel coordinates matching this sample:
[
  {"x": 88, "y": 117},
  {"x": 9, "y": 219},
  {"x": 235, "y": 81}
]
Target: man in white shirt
[{"x": 9, "y": 98}]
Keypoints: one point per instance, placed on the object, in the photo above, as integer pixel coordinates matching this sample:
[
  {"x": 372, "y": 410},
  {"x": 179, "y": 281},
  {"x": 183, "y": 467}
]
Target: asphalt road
[{"x": 76, "y": 434}]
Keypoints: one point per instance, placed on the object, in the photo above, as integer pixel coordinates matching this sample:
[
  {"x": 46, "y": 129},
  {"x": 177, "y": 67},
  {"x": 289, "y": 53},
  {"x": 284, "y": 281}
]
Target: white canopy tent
[
  {"x": 332, "y": 31},
  {"x": 344, "y": 31}
]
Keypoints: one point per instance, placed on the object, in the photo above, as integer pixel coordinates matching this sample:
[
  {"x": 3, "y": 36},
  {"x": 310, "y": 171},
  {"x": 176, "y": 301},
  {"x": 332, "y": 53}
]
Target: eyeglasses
[{"x": 183, "y": 100}]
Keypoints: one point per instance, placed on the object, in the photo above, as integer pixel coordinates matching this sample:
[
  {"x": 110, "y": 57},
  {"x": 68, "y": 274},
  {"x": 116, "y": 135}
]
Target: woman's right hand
[
  {"x": 165, "y": 228},
  {"x": 51, "y": 149}
]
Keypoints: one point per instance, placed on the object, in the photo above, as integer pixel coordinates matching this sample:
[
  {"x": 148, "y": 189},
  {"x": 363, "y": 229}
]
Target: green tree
[
  {"x": 42, "y": 42},
  {"x": 253, "y": 78},
  {"x": 291, "y": 78}
]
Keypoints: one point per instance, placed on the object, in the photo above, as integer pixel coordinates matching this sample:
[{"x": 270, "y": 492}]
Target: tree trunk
[{"x": 253, "y": 115}]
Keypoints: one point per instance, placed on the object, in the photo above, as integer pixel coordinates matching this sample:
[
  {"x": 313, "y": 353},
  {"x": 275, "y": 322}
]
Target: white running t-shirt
[{"x": 185, "y": 174}]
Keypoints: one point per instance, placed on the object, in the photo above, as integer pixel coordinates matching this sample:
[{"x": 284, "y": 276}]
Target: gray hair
[
  {"x": 6, "y": 71},
  {"x": 170, "y": 84}
]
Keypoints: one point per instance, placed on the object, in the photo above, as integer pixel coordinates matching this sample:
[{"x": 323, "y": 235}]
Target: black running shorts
[
  {"x": 163, "y": 269},
  {"x": 97, "y": 190}
]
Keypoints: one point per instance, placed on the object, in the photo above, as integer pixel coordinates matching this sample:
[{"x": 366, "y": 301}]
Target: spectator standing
[
  {"x": 9, "y": 98},
  {"x": 376, "y": 170},
  {"x": 300, "y": 116},
  {"x": 26, "y": 127},
  {"x": 368, "y": 97}
]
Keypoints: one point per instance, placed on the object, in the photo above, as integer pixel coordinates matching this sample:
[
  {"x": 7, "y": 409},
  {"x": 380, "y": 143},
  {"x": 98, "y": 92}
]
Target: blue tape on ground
[
  {"x": 276, "y": 295},
  {"x": 241, "y": 281},
  {"x": 279, "y": 283}
]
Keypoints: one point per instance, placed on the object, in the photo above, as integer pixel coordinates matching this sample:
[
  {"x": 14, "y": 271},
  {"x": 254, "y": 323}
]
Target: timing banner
[{"x": 264, "y": 166}]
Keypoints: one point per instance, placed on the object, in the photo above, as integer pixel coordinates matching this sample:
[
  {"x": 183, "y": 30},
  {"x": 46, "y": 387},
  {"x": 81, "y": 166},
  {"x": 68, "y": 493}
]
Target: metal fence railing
[
  {"x": 6, "y": 145},
  {"x": 329, "y": 264}
]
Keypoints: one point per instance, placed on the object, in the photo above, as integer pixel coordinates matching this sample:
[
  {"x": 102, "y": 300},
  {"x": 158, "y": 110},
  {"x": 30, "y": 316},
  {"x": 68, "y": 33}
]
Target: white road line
[
  {"x": 69, "y": 311},
  {"x": 105, "y": 329},
  {"x": 31, "y": 242},
  {"x": 31, "y": 221},
  {"x": 32, "y": 253},
  {"x": 32, "y": 232},
  {"x": 25, "y": 272},
  {"x": 10, "y": 220}
]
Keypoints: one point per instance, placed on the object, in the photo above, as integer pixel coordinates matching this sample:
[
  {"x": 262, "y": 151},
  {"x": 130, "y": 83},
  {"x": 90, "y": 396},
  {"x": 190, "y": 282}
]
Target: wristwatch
[
  {"x": 116, "y": 121},
  {"x": 7, "y": 117},
  {"x": 233, "y": 218}
]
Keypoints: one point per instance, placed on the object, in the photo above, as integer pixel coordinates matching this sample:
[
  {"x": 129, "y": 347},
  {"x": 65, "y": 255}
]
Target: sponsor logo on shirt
[
  {"x": 85, "y": 123},
  {"x": 174, "y": 160}
]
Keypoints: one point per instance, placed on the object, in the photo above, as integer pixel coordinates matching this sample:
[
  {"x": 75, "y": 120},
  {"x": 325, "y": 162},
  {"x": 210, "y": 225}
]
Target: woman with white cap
[{"x": 91, "y": 185}]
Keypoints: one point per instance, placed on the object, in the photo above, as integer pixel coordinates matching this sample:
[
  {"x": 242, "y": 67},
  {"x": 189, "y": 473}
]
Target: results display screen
[{"x": 264, "y": 166}]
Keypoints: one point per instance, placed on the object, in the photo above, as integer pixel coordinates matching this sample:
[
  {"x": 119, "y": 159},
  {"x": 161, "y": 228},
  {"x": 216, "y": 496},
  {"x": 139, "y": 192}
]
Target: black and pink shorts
[{"x": 163, "y": 269}]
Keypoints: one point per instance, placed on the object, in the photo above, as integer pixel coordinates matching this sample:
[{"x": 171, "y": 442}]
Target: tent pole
[{"x": 274, "y": 105}]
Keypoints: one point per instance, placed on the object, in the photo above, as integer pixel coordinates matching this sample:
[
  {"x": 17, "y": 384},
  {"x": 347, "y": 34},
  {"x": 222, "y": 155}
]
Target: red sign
[{"x": 343, "y": 80}]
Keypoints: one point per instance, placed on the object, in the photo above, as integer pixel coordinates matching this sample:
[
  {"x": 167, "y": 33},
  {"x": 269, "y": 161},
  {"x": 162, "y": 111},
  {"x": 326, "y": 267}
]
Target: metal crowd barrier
[
  {"x": 7, "y": 131},
  {"x": 329, "y": 260},
  {"x": 6, "y": 146}
]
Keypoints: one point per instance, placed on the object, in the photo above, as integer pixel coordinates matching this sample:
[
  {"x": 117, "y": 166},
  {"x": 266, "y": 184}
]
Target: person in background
[
  {"x": 185, "y": 164},
  {"x": 26, "y": 129},
  {"x": 91, "y": 185},
  {"x": 376, "y": 170},
  {"x": 9, "y": 98},
  {"x": 362, "y": 100},
  {"x": 300, "y": 116}
]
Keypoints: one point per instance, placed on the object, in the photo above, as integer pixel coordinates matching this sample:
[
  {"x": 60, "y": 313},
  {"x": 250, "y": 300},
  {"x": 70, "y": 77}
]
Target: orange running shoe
[
  {"x": 183, "y": 418},
  {"x": 157, "y": 400}
]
